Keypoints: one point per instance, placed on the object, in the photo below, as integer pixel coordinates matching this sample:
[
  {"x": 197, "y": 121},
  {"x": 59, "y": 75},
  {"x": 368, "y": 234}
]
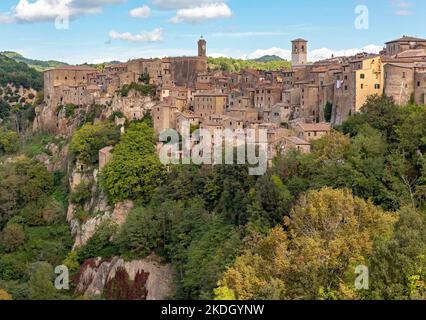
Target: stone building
[
  {"x": 210, "y": 103},
  {"x": 266, "y": 97},
  {"x": 311, "y": 131},
  {"x": 405, "y": 43},
  {"x": 299, "y": 52}
]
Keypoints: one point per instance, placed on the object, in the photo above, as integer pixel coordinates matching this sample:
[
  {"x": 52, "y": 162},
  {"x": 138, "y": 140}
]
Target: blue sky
[{"x": 102, "y": 30}]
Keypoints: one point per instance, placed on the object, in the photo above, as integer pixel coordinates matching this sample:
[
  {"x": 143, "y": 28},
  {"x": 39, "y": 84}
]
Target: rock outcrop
[{"x": 147, "y": 279}]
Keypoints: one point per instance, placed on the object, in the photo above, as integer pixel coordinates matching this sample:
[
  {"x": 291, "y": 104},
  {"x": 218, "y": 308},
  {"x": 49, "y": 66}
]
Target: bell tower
[
  {"x": 202, "y": 47},
  {"x": 299, "y": 52}
]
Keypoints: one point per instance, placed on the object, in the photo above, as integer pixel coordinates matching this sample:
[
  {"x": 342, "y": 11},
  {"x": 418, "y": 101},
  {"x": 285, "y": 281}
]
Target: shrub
[
  {"x": 144, "y": 90},
  {"x": 13, "y": 236},
  {"x": 82, "y": 193},
  {"x": 100, "y": 245},
  {"x": 9, "y": 142}
]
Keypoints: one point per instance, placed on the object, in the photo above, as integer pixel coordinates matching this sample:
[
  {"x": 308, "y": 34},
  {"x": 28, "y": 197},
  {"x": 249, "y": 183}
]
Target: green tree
[
  {"x": 330, "y": 232},
  {"x": 88, "y": 140},
  {"x": 135, "y": 170},
  {"x": 12, "y": 237},
  {"x": 41, "y": 282},
  {"x": 395, "y": 262}
]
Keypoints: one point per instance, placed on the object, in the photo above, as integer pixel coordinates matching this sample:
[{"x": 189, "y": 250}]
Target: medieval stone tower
[
  {"x": 299, "y": 50},
  {"x": 202, "y": 48}
]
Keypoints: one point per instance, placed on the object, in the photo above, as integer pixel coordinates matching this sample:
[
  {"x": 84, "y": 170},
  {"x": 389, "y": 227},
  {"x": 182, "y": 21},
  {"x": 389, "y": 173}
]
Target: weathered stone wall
[{"x": 184, "y": 71}]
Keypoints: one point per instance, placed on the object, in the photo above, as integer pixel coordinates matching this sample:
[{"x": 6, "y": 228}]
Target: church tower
[
  {"x": 202, "y": 45},
  {"x": 299, "y": 51}
]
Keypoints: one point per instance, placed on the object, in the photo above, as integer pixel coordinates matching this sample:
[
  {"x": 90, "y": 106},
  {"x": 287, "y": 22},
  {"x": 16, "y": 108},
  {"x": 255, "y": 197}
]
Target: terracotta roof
[
  {"x": 314, "y": 126},
  {"x": 297, "y": 141},
  {"x": 75, "y": 68},
  {"x": 407, "y": 39},
  {"x": 203, "y": 86},
  {"x": 413, "y": 53}
]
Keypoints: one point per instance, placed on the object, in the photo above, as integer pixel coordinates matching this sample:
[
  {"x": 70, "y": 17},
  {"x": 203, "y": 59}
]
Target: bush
[
  {"x": 9, "y": 142},
  {"x": 13, "y": 236},
  {"x": 99, "y": 245},
  {"x": 144, "y": 90},
  {"x": 82, "y": 193},
  {"x": 70, "y": 110}
]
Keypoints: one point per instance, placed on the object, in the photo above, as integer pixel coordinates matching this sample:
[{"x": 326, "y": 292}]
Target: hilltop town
[
  {"x": 295, "y": 105},
  {"x": 83, "y": 184}
]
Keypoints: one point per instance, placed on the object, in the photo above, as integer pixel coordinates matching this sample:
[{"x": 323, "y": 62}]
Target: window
[
  {"x": 418, "y": 83},
  {"x": 362, "y": 76},
  {"x": 377, "y": 86},
  {"x": 362, "y": 86},
  {"x": 403, "y": 75}
]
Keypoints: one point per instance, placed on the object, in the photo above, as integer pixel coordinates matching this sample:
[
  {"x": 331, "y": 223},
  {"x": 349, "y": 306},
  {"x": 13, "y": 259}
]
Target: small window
[
  {"x": 362, "y": 76},
  {"x": 377, "y": 86}
]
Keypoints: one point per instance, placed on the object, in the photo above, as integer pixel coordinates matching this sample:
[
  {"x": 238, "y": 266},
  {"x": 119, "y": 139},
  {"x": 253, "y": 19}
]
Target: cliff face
[
  {"x": 65, "y": 120},
  {"x": 97, "y": 205},
  {"x": 115, "y": 279}
]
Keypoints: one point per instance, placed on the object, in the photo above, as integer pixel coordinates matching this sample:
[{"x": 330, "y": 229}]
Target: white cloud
[
  {"x": 180, "y": 4},
  {"x": 314, "y": 55},
  {"x": 283, "y": 53},
  {"x": 403, "y": 8},
  {"x": 248, "y": 34},
  {"x": 202, "y": 13},
  {"x": 141, "y": 12},
  {"x": 49, "y": 10},
  {"x": 5, "y": 19},
  {"x": 155, "y": 35}
]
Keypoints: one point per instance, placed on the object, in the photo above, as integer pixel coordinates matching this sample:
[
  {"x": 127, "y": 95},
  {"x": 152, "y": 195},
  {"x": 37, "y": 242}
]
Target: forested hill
[
  {"x": 39, "y": 65},
  {"x": 19, "y": 73},
  {"x": 267, "y": 63}
]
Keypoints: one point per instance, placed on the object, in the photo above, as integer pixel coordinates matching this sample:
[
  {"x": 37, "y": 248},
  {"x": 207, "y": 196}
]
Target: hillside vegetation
[
  {"x": 235, "y": 65},
  {"x": 19, "y": 73},
  {"x": 39, "y": 65}
]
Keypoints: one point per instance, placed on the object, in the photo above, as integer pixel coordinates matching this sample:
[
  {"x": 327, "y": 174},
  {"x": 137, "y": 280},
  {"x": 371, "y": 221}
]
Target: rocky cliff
[
  {"x": 116, "y": 279},
  {"x": 66, "y": 119}
]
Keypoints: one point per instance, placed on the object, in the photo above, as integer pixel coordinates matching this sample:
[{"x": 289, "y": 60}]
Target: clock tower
[{"x": 202, "y": 47}]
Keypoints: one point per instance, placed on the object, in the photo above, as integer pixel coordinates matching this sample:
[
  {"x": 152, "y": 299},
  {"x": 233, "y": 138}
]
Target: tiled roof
[
  {"x": 315, "y": 126},
  {"x": 407, "y": 39}
]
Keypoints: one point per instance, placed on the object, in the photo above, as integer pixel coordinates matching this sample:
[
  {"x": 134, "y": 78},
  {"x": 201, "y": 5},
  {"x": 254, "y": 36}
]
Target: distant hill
[
  {"x": 19, "y": 73},
  {"x": 269, "y": 59},
  {"x": 39, "y": 65}
]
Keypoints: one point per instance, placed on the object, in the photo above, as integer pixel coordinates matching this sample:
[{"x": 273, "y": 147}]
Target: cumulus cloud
[
  {"x": 314, "y": 55},
  {"x": 202, "y": 13},
  {"x": 49, "y": 10},
  {"x": 155, "y": 35},
  {"x": 141, "y": 12}
]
